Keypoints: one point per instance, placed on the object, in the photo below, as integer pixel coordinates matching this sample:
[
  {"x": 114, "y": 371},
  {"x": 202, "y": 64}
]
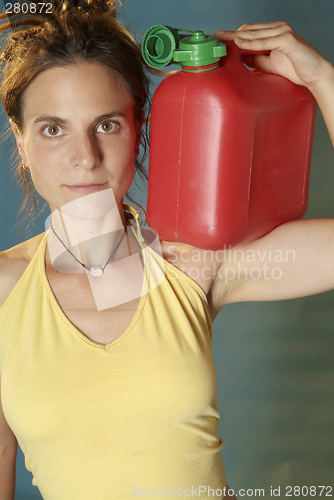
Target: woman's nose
[{"x": 86, "y": 153}]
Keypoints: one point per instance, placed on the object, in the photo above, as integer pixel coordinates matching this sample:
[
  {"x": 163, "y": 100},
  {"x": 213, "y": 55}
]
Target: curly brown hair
[{"x": 77, "y": 31}]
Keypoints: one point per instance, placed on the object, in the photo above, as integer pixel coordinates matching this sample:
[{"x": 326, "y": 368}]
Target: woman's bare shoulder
[{"x": 13, "y": 263}]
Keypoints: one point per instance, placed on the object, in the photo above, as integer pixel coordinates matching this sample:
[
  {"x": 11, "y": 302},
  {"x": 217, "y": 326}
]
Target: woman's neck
[{"x": 90, "y": 228}]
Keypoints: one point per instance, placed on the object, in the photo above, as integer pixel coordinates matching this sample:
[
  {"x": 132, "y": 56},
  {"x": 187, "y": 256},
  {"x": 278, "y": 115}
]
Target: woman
[{"x": 112, "y": 400}]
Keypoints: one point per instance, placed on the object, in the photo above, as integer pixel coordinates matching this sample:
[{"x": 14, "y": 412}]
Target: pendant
[{"x": 96, "y": 272}]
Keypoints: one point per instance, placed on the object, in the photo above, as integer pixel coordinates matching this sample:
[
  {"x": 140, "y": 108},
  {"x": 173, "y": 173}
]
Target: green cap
[{"x": 163, "y": 45}]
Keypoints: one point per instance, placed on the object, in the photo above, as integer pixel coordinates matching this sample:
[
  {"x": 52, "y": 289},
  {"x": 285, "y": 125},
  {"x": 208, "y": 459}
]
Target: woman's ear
[
  {"x": 19, "y": 142},
  {"x": 17, "y": 134}
]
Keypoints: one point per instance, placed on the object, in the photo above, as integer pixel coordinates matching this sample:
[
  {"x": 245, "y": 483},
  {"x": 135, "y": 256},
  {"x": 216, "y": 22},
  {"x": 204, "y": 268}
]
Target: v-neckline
[{"x": 72, "y": 326}]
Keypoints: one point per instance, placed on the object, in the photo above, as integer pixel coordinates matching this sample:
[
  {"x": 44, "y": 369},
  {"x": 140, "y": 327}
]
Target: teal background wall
[{"x": 275, "y": 361}]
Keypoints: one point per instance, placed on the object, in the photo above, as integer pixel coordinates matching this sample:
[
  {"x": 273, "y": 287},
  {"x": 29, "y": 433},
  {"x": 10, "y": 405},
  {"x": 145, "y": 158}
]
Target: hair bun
[{"x": 96, "y": 6}]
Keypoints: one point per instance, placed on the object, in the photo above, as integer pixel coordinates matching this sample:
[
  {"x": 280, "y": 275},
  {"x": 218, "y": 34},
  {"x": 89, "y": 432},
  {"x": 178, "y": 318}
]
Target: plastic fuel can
[{"x": 230, "y": 148}]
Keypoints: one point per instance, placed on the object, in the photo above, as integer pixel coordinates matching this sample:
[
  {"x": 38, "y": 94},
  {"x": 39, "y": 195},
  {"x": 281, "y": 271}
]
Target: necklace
[{"x": 95, "y": 271}]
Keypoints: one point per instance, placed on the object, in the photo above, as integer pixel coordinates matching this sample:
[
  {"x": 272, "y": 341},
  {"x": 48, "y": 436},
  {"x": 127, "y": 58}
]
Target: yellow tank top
[{"x": 137, "y": 417}]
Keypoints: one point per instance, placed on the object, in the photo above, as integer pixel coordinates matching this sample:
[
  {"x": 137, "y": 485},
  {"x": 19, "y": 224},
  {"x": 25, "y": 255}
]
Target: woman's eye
[
  {"x": 107, "y": 127},
  {"x": 53, "y": 131}
]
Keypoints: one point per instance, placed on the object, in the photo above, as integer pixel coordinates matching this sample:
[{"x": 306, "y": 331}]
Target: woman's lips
[{"x": 85, "y": 188}]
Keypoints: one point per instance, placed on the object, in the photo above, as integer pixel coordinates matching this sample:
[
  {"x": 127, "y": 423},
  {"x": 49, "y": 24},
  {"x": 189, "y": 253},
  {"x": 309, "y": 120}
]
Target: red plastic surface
[{"x": 230, "y": 154}]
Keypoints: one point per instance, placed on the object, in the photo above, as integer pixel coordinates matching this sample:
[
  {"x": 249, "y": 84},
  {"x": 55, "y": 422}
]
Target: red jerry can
[{"x": 230, "y": 148}]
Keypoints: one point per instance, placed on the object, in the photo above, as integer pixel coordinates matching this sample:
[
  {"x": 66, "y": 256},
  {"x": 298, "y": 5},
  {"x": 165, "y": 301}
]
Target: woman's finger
[
  {"x": 254, "y": 33},
  {"x": 283, "y": 43},
  {"x": 262, "y": 26}
]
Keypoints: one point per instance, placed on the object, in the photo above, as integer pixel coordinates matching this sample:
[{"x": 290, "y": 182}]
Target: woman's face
[{"x": 81, "y": 111}]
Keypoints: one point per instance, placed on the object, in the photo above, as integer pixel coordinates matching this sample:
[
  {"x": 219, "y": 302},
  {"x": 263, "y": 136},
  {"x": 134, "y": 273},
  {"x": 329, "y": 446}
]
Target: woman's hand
[{"x": 290, "y": 56}]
